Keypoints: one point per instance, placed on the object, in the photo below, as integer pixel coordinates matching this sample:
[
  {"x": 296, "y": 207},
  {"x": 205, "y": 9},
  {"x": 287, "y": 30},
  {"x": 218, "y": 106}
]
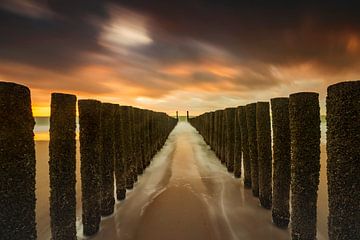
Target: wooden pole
[
  {"x": 304, "y": 116},
  {"x": 90, "y": 150},
  {"x": 282, "y": 160},
  {"x": 343, "y": 163},
  {"x": 17, "y": 163},
  {"x": 62, "y": 166}
]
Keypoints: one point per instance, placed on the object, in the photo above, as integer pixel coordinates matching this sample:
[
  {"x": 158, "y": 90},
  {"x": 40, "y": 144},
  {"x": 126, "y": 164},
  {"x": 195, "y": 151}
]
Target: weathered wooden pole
[
  {"x": 223, "y": 137},
  {"x": 282, "y": 159},
  {"x": 245, "y": 146},
  {"x": 128, "y": 146},
  {"x": 90, "y": 150},
  {"x": 252, "y": 140},
  {"x": 119, "y": 148},
  {"x": 343, "y": 163},
  {"x": 148, "y": 138},
  {"x": 237, "y": 147},
  {"x": 263, "y": 136},
  {"x": 134, "y": 156},
  {"x": 187, "y": 115},
  {"x": 107, "y": 199},
  {"x": 177, "y": 115},
  {"x": 230, "y": 138},
  {"x": 217, "y": 130},
  {"x": 304, "y": 118},
  {"x": 62, "y": 166},
  {"x": 137, "y": 143},
  {"x": 17, "y": 163}
]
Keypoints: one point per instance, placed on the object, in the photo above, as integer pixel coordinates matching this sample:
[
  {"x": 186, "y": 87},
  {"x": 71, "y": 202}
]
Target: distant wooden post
[
  {"x": 133, "y": 159},
  {"x": 90, "y": 150},
  {"x": 237, "y": 147},
  {"x": 119, "y": 141},
  {"x": 304, "y": 116},
  {"x": 230, "y": 138},
  {"x": 128, "y": 146},
  {"x": 245, "y": 146},
  {"x": 223, "y": 137},
  {"x": 62, "y": 166},
  {"x": 17, "y": 163},
  {"x": 107, "y": 199},
  {"x": 343, "y": 163},
  {"x": 263, "y": 131},
  {"x": 177, "y": 115},
  {"x": 282, "y": 159},
  {"x": 187, "y": 115},
  {"x": 251, "y": 127}
]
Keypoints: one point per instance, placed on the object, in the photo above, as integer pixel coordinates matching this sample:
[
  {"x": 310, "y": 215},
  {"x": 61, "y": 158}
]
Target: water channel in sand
[{"x": 184, "y": 194}]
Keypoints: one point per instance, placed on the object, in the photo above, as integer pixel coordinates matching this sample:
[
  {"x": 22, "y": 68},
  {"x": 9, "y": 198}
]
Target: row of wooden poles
[
  {"x": 115, "y": 142},
  {"x": 287, "y": 162}
]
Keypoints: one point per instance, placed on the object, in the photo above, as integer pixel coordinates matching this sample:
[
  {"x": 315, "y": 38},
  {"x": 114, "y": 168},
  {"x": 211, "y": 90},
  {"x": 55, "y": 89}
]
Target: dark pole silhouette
[
  {"x": 252, "y": 140},
  {"x": 304, "y": 116},
  {"x": 107, "y": 199},
  {"x": 263, "y": 136},
  {"x": 281, "y": 164},
  {"x": 62, "y": 166},
  {"x": 245, "y": 146},
  {"x": 17, "y": 161},
  {"x": 343, "y": 163},
  {"x": 90, "y": 150}
]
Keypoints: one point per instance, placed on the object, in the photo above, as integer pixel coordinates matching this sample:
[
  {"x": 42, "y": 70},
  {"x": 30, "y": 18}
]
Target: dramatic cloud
[{"x": 169, "y": 55}]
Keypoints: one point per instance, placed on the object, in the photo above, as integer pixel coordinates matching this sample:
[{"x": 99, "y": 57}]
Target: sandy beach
[{"x": 184, "y": 194}]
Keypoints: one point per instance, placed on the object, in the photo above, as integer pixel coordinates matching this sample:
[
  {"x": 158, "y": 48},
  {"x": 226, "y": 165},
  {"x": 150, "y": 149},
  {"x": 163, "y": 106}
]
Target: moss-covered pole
[
  {"x": 90, "y": 150},
  {"x": 62, "y": 166},
  {"x": 119, "y": 148},
  {"x": 107, "y": 199},
  {"x": 263, "y": 136},
  {"x": 237, "y": 147},
  {"x": 343, "y": 163},
  {"x": 252, "y": 140},
  {"x": 17, "y": 163},
  {"x": 281, "y": 163},
  {"x": 245, "y": 146},
  {"x": 229, "y": 138},
  {"x": 304, "y": 118}
]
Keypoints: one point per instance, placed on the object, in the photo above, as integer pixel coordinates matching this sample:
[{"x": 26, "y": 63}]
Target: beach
[{"x": 185, "y": 193}]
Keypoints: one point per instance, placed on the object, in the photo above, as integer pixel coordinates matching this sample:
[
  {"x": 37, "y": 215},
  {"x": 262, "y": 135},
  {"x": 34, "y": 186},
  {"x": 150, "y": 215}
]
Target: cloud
[{"x": 172, "y": 54}]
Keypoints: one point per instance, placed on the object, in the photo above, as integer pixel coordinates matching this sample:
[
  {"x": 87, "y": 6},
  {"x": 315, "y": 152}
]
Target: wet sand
[{"x": 184, "y": 194}]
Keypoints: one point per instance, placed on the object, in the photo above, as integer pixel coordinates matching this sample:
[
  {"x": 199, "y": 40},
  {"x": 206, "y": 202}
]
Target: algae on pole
[
  {"x": 17, "y": 163},
  {"x": 263, "y": 136},
  {"x": 281, "y": 163},
  {"x": 90, "y": 151},
  {"x": 245, "y": 146},
  {"x": 107, "y": 199},
  {"x": 304, "y": 118},
  {"x": 252, "y": 140},
  {"x": 62, "y": 166},
  {"x": 343, "y": 163}
]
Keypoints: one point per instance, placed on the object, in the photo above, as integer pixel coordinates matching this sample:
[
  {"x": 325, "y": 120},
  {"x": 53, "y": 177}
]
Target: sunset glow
[{"x": 150, "y": 56}]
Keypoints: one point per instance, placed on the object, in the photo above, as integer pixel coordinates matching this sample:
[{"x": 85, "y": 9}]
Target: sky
[{"x": 196, "y": 55}]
